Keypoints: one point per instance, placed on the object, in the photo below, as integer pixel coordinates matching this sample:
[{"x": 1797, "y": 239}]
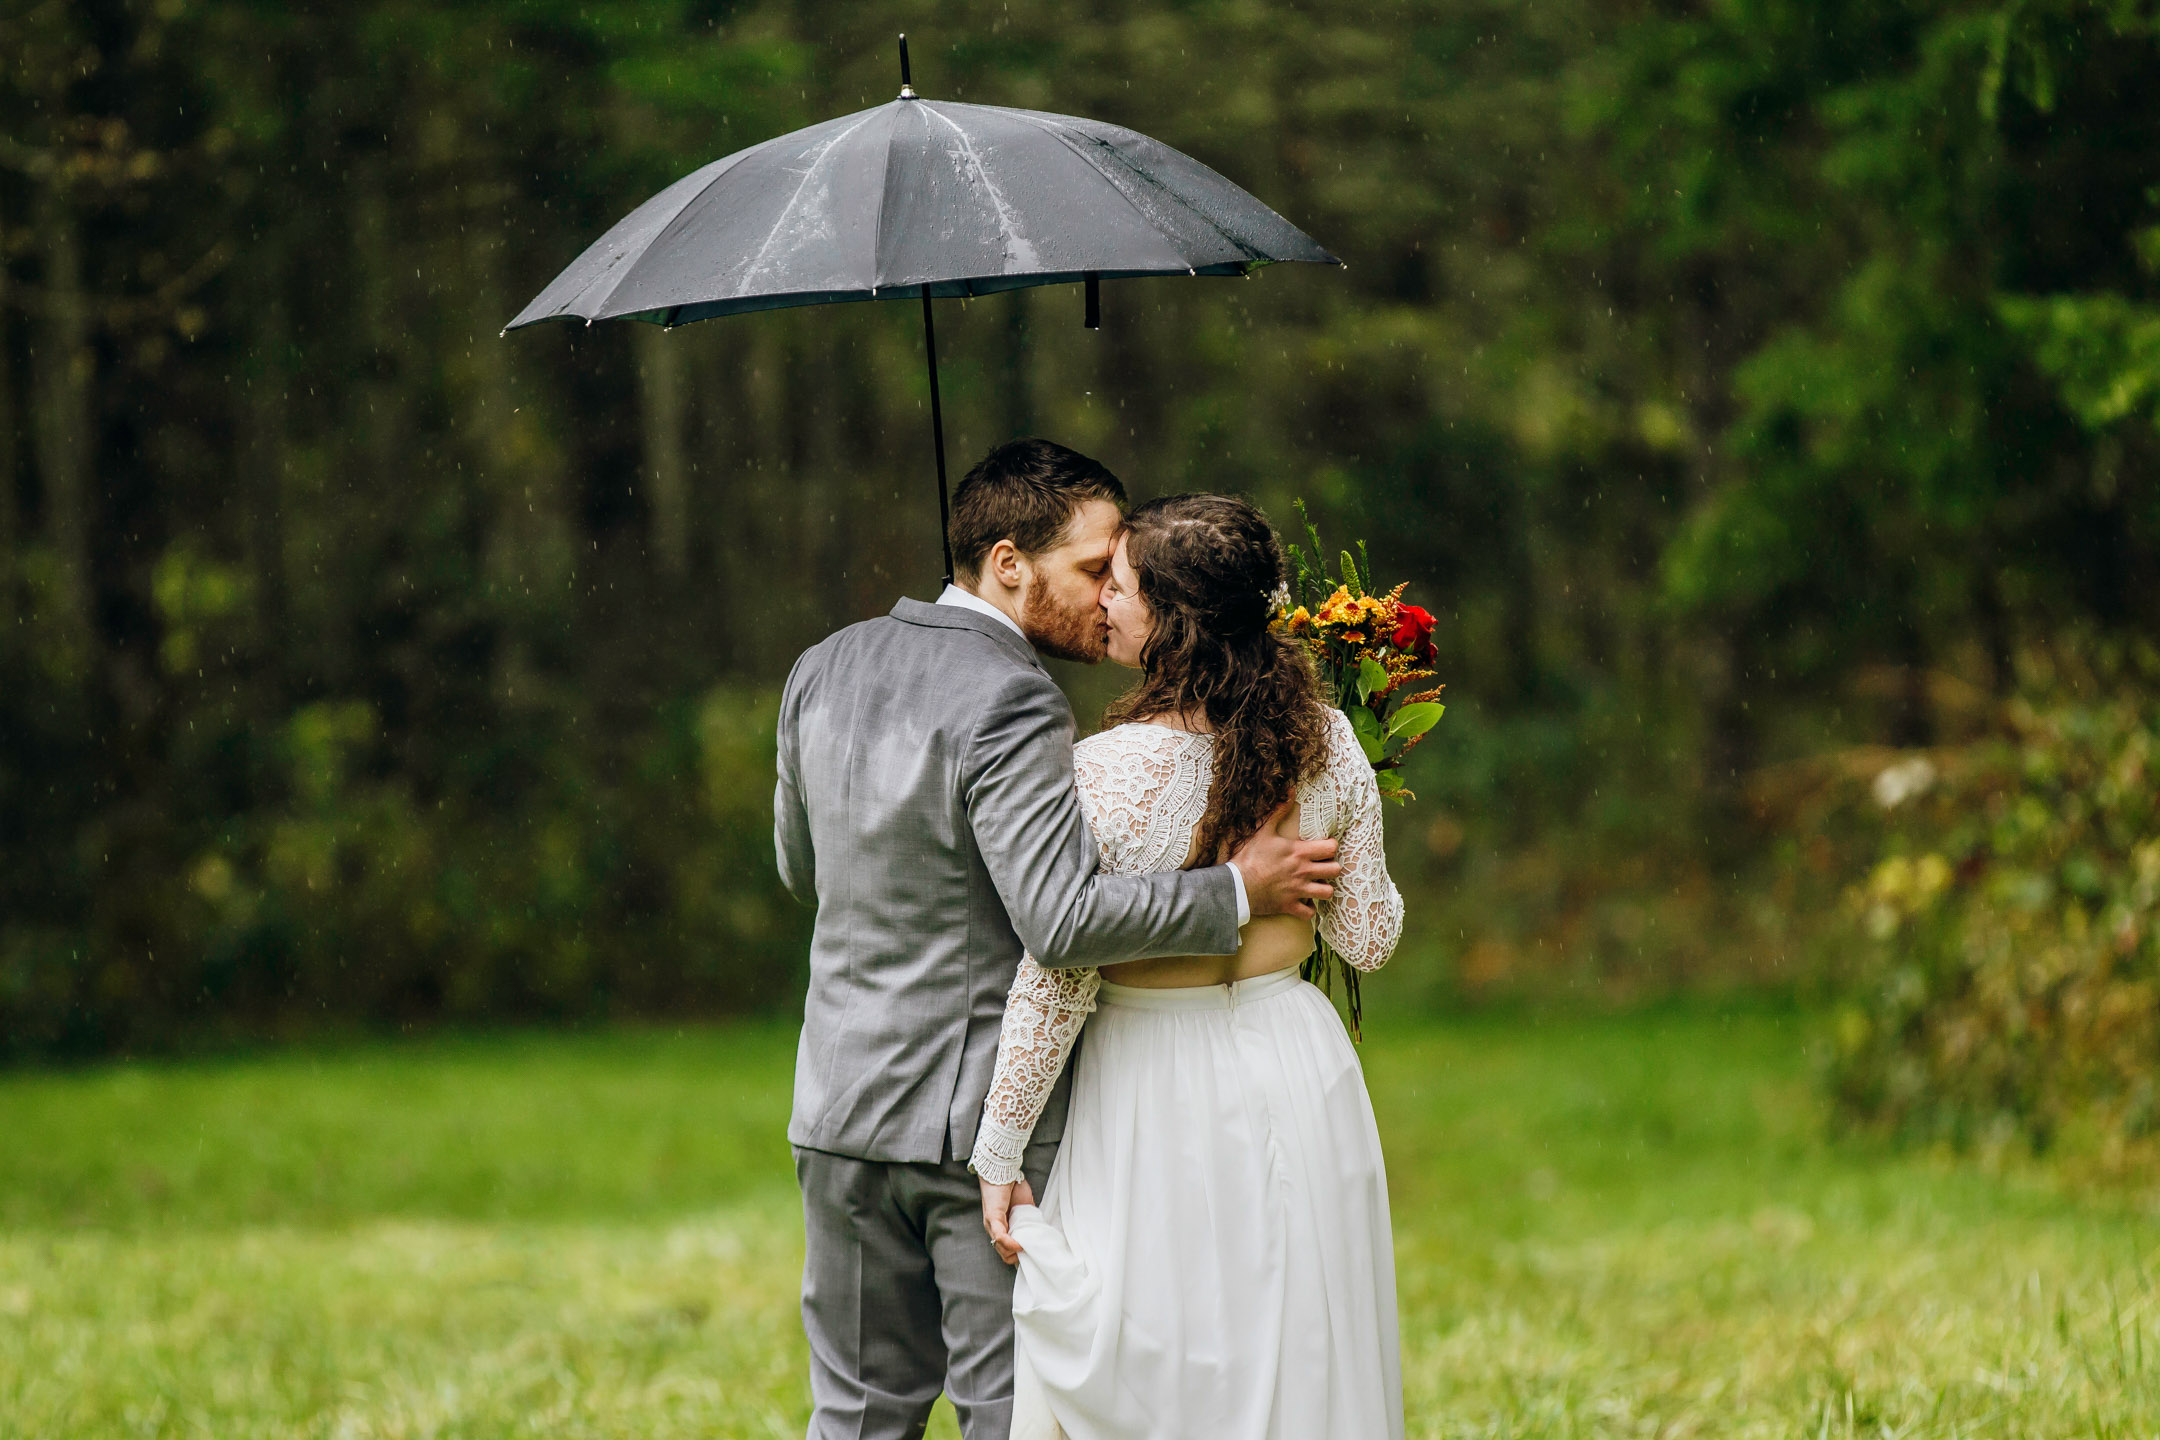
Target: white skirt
[{"x": 1211, "y": 1259}]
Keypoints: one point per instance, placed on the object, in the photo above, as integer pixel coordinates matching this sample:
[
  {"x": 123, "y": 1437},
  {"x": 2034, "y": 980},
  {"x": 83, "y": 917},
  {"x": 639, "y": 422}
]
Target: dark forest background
[{"x": 1761, "y": 392}]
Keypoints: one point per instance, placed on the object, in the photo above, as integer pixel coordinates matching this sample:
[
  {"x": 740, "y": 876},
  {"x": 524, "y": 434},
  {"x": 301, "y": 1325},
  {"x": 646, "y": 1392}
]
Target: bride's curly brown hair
[{"x": 1209, "y": 566}]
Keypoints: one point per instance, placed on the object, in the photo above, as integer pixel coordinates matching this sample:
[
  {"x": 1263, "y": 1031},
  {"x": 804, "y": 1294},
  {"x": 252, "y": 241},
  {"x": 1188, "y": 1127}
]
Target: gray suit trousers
[{"x": 903, "y": 1296}]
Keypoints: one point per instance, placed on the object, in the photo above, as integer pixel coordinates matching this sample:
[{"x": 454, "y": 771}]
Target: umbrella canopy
[
  {"x": 964, "y": 199},
  {"x": 919, "y": 198}
]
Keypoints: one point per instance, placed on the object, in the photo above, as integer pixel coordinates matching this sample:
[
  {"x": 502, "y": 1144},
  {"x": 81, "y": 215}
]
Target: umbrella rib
[
  {"x": 1009, "y": 227},
  {"x": 615, "y": 282},
  {"x": 601, "y": 299},
  {"x": 653, "y": 245},
  {"x": 1085, "y": 158},
  {"x": 1057, "y": 132},
  {"x": 750, "y": 270},
  {"x": 877, "y": 222}
]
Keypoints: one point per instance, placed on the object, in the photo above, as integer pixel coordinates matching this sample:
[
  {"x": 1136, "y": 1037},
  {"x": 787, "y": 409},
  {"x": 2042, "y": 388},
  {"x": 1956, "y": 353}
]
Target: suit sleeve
[
  {"x": 1025, "y": 813},
  {"x": 791, "y": 821}
]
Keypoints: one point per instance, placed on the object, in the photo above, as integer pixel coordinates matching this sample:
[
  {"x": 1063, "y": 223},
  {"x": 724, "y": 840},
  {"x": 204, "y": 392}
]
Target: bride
[{"x": 1211, "y": 1259}]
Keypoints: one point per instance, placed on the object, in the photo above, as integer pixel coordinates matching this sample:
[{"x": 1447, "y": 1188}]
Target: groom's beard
[{"x": 1069, "y": 634}]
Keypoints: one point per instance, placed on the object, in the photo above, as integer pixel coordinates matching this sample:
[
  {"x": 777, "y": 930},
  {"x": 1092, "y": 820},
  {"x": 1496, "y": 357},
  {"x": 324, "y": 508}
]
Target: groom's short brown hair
[{"x": 1024, "y": 491}]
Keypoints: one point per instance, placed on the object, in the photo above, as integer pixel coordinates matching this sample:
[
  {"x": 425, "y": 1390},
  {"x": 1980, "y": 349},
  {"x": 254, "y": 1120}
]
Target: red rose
[{"x": 1413, "y": 631}]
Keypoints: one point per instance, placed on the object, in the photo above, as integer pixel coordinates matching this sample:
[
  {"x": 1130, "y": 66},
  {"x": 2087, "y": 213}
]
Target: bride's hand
[{"x": 998, "y": 1201}]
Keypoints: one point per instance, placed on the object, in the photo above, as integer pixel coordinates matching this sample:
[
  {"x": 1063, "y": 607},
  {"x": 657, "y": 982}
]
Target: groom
[{"x": 926, "y": 808}]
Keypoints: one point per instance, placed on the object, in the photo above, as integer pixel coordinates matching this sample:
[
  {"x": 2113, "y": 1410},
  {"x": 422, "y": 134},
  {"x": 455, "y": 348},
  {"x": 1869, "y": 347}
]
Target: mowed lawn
[{"x": 1606, "y": 1226}]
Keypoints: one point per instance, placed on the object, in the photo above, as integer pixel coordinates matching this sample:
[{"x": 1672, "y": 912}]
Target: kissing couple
[{"x": 1210, "y": 1258}]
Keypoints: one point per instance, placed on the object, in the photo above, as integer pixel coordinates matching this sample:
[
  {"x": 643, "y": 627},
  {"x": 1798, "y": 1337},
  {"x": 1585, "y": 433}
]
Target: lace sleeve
[
  {"x": 1043, "y": 1014},
  {"x": 1364, "y": 919}
]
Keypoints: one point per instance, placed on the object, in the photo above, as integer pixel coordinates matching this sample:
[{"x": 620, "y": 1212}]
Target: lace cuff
[
  {"x": 998, "y": 1149},
  {"x": 1043, "y": 1015}
]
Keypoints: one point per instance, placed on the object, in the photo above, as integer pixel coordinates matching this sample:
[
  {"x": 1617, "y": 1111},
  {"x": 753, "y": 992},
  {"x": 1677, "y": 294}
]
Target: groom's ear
[{"x": 1002, "y": 565}]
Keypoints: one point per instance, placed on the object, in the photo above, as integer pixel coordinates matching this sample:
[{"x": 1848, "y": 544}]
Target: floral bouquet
[{"x": 1371, "y": 652}]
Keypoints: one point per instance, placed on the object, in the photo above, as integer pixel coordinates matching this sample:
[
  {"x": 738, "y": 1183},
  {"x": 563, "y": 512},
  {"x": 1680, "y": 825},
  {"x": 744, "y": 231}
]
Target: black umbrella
[{"x": 920, "y": 198}]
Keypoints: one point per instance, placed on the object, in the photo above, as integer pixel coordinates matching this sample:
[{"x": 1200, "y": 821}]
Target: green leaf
[
  {"x": 1350, "y": 575},
  {"x": 1389, "y": 780},
  {"x": 1371, "y": 676},
  {"x": 2102, "y": 351},
  {"x": 1312, "y": 574},
  {"x": 1414, "y": 720},
  {"x": 1367, "y": 726}
]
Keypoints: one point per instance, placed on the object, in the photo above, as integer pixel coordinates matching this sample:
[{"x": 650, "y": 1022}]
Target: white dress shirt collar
[{"x": 967, "y": 600}]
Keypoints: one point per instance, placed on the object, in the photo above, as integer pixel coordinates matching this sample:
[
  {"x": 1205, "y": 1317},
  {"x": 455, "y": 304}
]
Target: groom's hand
[
  {"x": 998, "y": 1201},
  {"x": 1283, "y": 874}
]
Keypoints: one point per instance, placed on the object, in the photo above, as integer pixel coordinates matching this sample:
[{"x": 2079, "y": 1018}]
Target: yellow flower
[{"x": 1339, "y": 608}]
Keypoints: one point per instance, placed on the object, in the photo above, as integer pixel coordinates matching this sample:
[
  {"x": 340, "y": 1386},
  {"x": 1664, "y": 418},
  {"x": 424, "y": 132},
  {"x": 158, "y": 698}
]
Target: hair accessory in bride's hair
[{"x": 1278, "y": 599}]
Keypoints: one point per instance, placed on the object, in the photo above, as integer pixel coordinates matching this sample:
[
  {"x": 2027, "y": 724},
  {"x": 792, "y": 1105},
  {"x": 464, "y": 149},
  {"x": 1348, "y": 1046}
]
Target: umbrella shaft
[{"x": 937, "y": 435}]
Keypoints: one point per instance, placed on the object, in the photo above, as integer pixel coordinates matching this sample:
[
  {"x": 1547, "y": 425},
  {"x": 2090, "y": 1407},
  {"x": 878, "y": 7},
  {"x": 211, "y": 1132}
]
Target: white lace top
[{"x": 1144, "y": 790}]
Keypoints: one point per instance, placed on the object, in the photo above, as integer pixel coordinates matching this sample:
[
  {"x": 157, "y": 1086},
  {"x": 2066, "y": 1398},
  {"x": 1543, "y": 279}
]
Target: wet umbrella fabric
[
  {"x": 967, "y": 199},
  {"x": 919, "y": 198}
]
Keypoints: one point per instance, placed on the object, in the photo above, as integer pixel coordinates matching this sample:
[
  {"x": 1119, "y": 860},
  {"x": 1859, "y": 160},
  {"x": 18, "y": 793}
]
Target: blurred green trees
[
  {"x": 2010, "y": 937},
  {"x": 1727, "y": 378}
]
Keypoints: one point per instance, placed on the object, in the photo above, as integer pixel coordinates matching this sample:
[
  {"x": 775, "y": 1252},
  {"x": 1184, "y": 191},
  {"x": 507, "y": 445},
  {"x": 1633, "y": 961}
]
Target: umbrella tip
[{"x": 907, "y": 81}]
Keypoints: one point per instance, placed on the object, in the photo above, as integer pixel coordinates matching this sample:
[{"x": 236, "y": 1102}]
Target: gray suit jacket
[{"x": 926, "y": 808}]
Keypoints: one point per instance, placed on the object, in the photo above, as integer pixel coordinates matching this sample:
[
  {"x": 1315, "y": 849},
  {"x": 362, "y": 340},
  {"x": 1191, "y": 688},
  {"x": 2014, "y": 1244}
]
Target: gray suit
[{"x": 926, "y": 808}]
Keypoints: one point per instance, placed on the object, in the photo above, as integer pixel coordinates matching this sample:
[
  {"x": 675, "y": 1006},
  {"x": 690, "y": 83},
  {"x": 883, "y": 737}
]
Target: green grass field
[{"x": 1625, "y": 1227}]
